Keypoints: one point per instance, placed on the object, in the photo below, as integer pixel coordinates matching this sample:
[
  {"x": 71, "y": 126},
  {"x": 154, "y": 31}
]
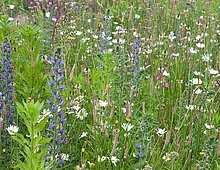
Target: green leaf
[
  {"x": 45, "y": 140},
  {"x": 41, "y": 125},
  {"x": 21, "y": 140},
  {"x": 22, "y": 166}
]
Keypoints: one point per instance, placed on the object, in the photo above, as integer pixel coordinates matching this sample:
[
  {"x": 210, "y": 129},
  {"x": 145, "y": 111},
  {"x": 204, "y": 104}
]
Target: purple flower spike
[{"x": 57, "y": 120}]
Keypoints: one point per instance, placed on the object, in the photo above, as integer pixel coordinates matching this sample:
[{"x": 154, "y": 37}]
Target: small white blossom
[
  {"x": 115, "y": 41},
  {"x": 175, "y": 54},
  {"x": 47, "y": 14},
  {"x": 198, "y": 37},
  {"x": 84, "y": 134},
  {"x": 161, "y": 132},
  {"x": 198, "y": 91},
  {"x": 200, "y": 45},
  {"x": 114, "y": 160},
  {"x": 54, "y": 19},
  {"x": 121, "y": 41},
  {"x": 135, "y": 34},
  {"x": 95, "y": 36},
  {"x": 103, "y": 103},
  {"x": 136, "y": 16},
  {"x": 12, "y": 129},
  {"x": 123, "y": 110},
  {"x": 207, "y": 57},
  {"x": 78, "y": 33},
  {"x": 212, "y": 71},
  {"x": 11, "y": 6},
  {"x": 103, "y": 158},
  {"x": 196, "y": 81},
  {"x": 135, "y": 156},
  {"x": 192, "y": 50},
  {"x": 171, "y": 36},
  {"x": 10, "y": 19},
  {"x": 165, "y": 73},
  {"x": 62, "y": 156},
  {"x": 127, "y": 126},
  {"x": 209, "y": 126},
  {"x": 108, "y": 38},
  {"x": 197, "y": 73},
  {"x": 190, "y": 107},
  {"x": 167, "y": 157}
]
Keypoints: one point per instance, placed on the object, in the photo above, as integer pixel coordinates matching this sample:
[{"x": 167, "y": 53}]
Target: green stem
[{"x": 32, "y": 145}]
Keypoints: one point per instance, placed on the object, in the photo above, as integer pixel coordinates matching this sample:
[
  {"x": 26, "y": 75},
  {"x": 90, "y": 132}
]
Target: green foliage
[
  {"x": 5, "y": 27},
  {"x": 31, "y": 81},
  {"x": 30, "y": 78},
  {"x": 186, "y": 113},
  {"x": 30, "y": 47},
  {"x": 33, "y": 144}
]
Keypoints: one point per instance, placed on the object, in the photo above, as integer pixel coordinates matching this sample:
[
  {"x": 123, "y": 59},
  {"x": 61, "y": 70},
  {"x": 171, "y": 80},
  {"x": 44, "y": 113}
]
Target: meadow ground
[{"x": 110, "y": 84}]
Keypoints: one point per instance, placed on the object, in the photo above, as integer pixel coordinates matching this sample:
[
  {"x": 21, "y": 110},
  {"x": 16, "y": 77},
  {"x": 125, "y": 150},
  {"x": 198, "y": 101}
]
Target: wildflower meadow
[{"x": 110, "y": 84}]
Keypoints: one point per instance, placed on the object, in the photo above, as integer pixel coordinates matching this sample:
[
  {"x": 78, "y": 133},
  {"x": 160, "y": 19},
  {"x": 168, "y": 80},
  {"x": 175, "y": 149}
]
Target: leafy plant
[{"x": 33, "y": 144}]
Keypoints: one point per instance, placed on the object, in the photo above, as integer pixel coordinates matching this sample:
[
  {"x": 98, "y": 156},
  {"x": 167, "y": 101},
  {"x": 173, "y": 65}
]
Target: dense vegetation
[{"x": 110, "y": 84}]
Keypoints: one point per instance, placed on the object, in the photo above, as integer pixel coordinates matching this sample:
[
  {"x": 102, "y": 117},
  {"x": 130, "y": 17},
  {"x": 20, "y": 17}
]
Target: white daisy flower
[
  {"x": 161, "y": 132},
  {"x": 127, "y": 126},
  {"x": 78, "y": 33},
  {"x": 197, "y": 73},
  {"x": 212, "y": 71},
  {"x": 198, "y": 91},
  {"x": 171, "y": 36},
  {"x": 11, "y": 6},
  {"x": 166, "y": 157},
  {"x": 84, "y": 134},
  {"x": 209, "y": 126},
  {"x": 200, "y": 45},
  {"x": 114, "y": 160},
  {"x": 12, "y": 129},
  {"x": 192, "y": 50},
  {"x": 207, "y": 57},
  {"x": 165, "y": 73},
  {"x": 47, "y": 14},
  {"x": 196, "y": 81},
  {"x": 82, "y": 114},
  {"x": 103, "y": 103}
]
